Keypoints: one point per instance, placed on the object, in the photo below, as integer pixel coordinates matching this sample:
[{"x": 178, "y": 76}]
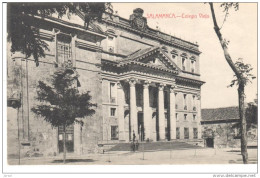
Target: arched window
[
  {"x": 193, "y": 64},
  {"x": 184, "y": 57}
]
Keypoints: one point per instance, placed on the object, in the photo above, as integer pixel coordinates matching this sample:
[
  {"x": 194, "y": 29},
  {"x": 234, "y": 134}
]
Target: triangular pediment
[
  {"x": 157, "y": 61},
  {"x": 154, "y": 57}
]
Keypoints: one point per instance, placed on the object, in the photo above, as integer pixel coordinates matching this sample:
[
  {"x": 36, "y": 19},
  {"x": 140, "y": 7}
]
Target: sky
[{"x": 240, "y": 29}]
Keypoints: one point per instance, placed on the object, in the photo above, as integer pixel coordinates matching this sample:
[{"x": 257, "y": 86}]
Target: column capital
[
  {"x": 161, "y": 86},
  {"x": 172, "y": 88},
  {"x": 132, "y": 82},
  {"x": 146, "y": 83}
]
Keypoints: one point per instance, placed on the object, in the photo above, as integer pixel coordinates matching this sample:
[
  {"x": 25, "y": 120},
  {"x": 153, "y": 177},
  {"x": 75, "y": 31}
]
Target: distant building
[
  {"x": 219, "y": 128},
  {"x": 145, "y": 82}
]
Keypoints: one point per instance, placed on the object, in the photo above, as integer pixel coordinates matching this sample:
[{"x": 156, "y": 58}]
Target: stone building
[
  {"x": 146, "y": 83},
  {"x": 220, "y": 128}
]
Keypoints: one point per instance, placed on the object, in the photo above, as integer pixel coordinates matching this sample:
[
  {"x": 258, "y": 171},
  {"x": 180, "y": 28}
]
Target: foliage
[
  {"x": 251, "y": 117},
  {"x": 227, "y": 6},
  {"x": 244, "y": 70},
  {"x": 24, "y": 37},
  {"x": 242, "y": 74},
  {"x": 61, "y": 102}
]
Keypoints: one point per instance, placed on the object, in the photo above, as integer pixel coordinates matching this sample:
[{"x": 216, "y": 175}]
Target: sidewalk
[{"x": 190, "y": 156}]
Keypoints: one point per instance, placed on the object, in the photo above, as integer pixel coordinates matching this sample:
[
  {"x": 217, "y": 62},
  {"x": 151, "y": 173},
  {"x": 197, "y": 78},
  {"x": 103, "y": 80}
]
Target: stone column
[
  {"x": 146, "y": 110},
  {"x": 172, "y": 113},
  {"x": 161, "y": 112},
  {"x": 133, "y": 109},
  {"x": 199, "y": 116},
  {"x": 120, "y": 102}
]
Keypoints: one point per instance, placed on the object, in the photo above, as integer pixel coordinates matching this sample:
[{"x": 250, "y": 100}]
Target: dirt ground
[{"x": 169, "y": 157}]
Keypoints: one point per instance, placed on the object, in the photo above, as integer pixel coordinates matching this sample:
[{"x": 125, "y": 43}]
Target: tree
[
  {"x": 61, "y": 102},
  {"x": 251, "y": 117},
  {"x": 22, "y": 33},
  {"x": 242, "y": 74}
]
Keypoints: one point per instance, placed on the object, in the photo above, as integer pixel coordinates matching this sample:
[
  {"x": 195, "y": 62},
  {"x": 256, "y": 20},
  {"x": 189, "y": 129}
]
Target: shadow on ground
[
  {"x": 234, "y": 151},
  {"x": 240, "y": 161},
  {"x": 73, "y": 160}
]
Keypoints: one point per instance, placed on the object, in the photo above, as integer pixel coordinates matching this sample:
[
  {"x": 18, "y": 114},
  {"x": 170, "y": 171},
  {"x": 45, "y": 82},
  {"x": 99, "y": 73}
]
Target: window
[
  {"x": 114, "y": 132},
  {"x": 177, "y": 132},
  {"x": 192, "y": 67},
  {"x": 112, "y": 111},
  {"x": 185, "y": 117},
  {"x": 193, "y": 103},
  {"x": 195, "y": 133},
  {"x": 183, "y": 63},
  {"x": 112, "y": 93},
  {"x": 176, "y": 116},
  {"x": 185, "y": 101},
  {"x": 194, "y": 117},
  {"x": 63, "y": 48},
  {"x": 110, "y": 44},
  {"x": 186, "y": 133}
]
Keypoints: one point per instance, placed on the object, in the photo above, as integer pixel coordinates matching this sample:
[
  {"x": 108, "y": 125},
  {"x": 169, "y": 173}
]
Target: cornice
[
  {"x": 69, "y": 25},
  {"x": 180, "y": 78},
  {"x": 190, "y": 73},
  {"x": 172, "y": 41},
  {"x": 189, "y": 80}
]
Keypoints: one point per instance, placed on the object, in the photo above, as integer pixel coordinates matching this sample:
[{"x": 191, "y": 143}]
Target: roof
[
  {"x": 227, "y": 113},
  {"x": 139, "y": 53},
  {"x": 153, "y": 33}
]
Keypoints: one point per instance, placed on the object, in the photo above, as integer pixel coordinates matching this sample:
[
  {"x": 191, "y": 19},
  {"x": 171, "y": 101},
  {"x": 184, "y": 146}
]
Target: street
[{"x": 189, "y": 156}]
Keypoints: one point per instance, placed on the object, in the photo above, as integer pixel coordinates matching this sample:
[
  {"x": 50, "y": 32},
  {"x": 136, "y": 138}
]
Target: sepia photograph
[{"x": 113, "y": 83}]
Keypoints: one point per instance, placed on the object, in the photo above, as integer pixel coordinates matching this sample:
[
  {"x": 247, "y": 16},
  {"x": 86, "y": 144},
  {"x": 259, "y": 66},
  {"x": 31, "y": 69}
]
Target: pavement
[{"x": 165, "y": 157}]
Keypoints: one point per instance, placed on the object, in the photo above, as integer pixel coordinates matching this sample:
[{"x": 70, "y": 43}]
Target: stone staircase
[{"x": 153, "y": 146}]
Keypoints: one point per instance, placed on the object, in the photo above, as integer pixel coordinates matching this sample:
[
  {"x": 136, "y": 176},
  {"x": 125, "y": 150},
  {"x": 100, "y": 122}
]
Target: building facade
[
  {"x": 220, "y": 128},
  {"x": 146, "y": 85}
]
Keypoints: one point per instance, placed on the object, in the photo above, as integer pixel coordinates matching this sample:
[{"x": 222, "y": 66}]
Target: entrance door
[
  {"x": 210, "y": 142},
  {"x": 69, "y": 138},
  {"x": 141, "y": 126}
]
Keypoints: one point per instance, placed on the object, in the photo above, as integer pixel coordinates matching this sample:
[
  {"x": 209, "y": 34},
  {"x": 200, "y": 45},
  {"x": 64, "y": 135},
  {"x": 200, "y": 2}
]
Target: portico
[
  {"x": 141, "y": 120},
  {"x": 149, "y": 82}
]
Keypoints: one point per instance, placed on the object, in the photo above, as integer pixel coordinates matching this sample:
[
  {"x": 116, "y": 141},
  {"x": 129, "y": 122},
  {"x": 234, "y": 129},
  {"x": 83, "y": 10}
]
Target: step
[{"x": 155, "y": 146}]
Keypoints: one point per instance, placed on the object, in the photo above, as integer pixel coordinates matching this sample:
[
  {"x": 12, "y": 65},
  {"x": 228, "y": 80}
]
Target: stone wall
[{"x": 40, "y": 137}]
